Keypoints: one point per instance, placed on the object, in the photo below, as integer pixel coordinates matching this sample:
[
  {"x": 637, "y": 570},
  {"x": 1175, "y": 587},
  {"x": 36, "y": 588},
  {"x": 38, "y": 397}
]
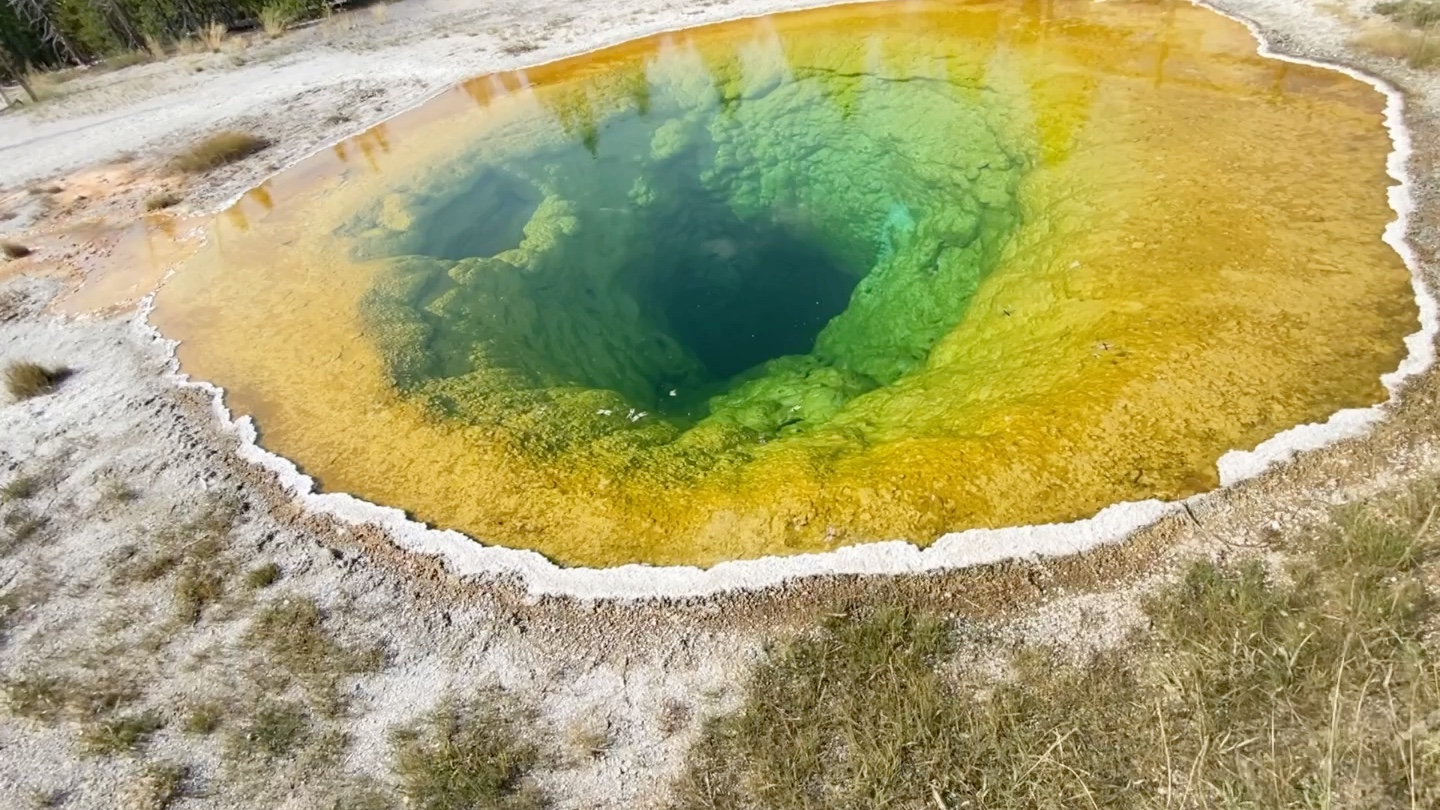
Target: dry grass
[
  {"x": 274, "y": 730},
  {"x": 518, "y": 48},
  {"x": 19, "y": 527},
  {"x": 1415, "y": 13},
  {"x": 276, "y": 17},
  {"x": 464, "y": 755},
  {"x": 197, "y": 586},
  {"x": 1426, "y": 50},
  {"x": 339, "y": 23},
  {"x": 156, "y": 48},
  {"x": 590, "y": 736},
  {"x": 1315, "y": 689},
  {"x": 20, "y": 598},
  {"x": 1413, "y": 35},
  {"x": 203, "y": 718},
  {"x": 37, "y": 696},
  {"x": 218, "y": 150},
  {"x": 674, "y": 716},
  {"x": 199, "y": 541},
  {"x": 11, "y": 306},
  {"x": 213, "y": 36},
  {"x": 121, "y": 734},
  {"x": 25, "y": 380},
  {"x": 361, "y": 793},
  {"x": 49, "y": 698},
  {"x": 44, "y": 798},
  {"x": 290, "y": 635},
  {"x": 14, "y": 250},
  {"x": 262, "y": 576},
  {"x": 115, "y": 490},
  {"x": 162, "y": 200},
  {"x": 47, "y": 84},
  {"x": 127, "y": 59},
  {"x": 235, "y": 47},
  {"x": 19, "y": 488},
  {"x": 1418, "y": 48},
  {"x": 159, "y": 785},
  {"x": 145, "y": 568}
]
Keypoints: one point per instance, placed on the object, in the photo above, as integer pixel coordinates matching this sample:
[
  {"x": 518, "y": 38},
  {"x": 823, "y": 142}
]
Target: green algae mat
[{"x": 785, "y": 284}]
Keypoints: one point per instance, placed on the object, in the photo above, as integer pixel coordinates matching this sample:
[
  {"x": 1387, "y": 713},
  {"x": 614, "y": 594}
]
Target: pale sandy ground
[{"x": 594, "y": 667}]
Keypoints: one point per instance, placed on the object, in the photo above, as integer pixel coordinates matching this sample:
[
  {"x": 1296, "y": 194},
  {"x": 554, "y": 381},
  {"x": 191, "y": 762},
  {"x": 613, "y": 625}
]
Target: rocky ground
[{"x": 137, "y": 599}]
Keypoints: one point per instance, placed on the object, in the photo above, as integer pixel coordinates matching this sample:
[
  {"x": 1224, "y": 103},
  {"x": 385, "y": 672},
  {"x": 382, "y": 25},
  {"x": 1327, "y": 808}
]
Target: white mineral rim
[{"x": 467, "y": 557}]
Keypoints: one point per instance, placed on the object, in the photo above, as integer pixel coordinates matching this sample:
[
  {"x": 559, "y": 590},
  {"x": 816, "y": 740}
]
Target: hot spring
[{"x": 785, "y": 284}]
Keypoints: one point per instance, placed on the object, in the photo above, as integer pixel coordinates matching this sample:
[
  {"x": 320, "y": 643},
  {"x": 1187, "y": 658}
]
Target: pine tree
[{"x": 40, "y": 16}]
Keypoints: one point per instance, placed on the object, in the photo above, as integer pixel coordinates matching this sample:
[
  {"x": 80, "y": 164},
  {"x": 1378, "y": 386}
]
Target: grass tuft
[
  {"x": 43, "y": 798},
  {"x": 19, "y": 488},
  {"x": 262, "y": 576},
  {"x": 361, "y": 793},
  {"x": 213, "y": 36},
  {"x": 220, "y": 149},
  {"x": 519, "y": 47},
  {"x": 114, "y": 490},
  {"x": 590, "y": 736},
  {"x": 12, "y": 306},
  {"x": 20, "y": 599},
  {"x": 466, "y": 755},
  {"x": 156, "y": 47},
  {"x": 19, "y": 527},
  {"x": 274, "y": 730},
  {"x": 36, "y": 697},
  {"x": 196, "y": 587},
  {"x": 126, "y": 59},
  {"x": 291, "y": 635},
  {"x": 25, "y": 380},
  {"x": 14, "y": 250},
  {"x": 159, "y": 785},
  {"x": 202, "y": 719},
  {"x": 162, "y": 200},
  {"x": 674, "y": 717},
  {"x": 47, "y": 698},
  {"x": 199, "y": 541},
  {"x": 275, "y": 17},
  {"x": 122, "y": 734}
]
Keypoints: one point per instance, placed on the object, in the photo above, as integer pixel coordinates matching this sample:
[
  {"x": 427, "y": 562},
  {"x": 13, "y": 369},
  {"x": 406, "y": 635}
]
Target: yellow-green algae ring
[{"x": 952, "y": 550}]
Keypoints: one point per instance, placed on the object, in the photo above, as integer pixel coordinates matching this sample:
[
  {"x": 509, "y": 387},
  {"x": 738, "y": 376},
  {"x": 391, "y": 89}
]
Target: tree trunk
[{"x": 8, "y": 66}]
